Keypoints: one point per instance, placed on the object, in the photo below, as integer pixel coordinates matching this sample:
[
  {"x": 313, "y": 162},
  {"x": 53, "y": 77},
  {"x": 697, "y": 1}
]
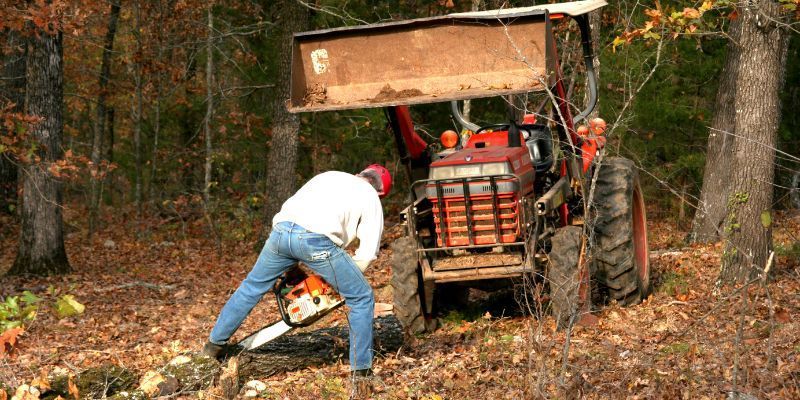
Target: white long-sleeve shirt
[{"x": 342, "y": 207}]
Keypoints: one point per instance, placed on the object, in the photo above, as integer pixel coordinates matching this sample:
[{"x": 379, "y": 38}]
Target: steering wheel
[{"x": 493, "y": 127}]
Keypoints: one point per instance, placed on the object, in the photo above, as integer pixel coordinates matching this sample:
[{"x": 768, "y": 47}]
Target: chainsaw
[{"x": 302, "y": 300}]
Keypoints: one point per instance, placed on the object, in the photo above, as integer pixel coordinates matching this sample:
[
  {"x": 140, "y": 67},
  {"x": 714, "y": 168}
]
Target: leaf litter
[{"x": 148, "y": 301}]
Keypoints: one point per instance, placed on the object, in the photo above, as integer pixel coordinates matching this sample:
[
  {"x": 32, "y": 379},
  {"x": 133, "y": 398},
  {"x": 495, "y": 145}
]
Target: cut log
[{"x": 319, "y": 347}]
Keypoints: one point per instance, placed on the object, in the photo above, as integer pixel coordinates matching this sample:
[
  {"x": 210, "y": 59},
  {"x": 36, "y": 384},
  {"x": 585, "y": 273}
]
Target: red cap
[{"x": 386, "y": 178}]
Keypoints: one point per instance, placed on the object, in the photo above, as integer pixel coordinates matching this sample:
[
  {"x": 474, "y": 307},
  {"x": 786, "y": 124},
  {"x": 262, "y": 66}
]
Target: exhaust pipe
[{"x": 513, "y": 135}]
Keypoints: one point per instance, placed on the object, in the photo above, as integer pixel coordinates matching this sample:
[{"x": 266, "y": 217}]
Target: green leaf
[
  {"x": 30, "y": 298},
  {"x": 617, "y": 41},
  {"x": 67, "y": 306},
  {"x": 12, "y": 304},
  {"x": 29, "y": 312},
  {"x": 21, "y": 129},
  {"x": 6, "y": 325},
  {"x": 766, "y": 218},
  {"x": 652, "y": 35}
]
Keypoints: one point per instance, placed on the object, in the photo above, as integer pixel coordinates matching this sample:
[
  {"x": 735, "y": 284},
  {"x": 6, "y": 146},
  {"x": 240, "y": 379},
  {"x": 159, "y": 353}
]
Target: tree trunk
[
  {"x": 187, "y": 170},
  {"x": 110, "y": 123},
  {"x": 41, "y": 245},
  {"x": 100, "y": 120},
  {"x": 108, "y": 152},
  {"x": 137, "y": 112},
  {"x": 748, "y": 223},
  {"x": 156, "y": 133},
  {"x": 710, "y": 214},
  {"x": 12, "y": 89},
  {"x": 209, "y": 105},
  {"x": 282, "y": 156}
]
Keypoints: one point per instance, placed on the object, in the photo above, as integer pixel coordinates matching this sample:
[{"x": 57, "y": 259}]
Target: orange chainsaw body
[{"x": 309, "y": 299}]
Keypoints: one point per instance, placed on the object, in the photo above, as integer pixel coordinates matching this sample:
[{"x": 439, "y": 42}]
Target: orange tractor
[{"x": 528, "y": 197}]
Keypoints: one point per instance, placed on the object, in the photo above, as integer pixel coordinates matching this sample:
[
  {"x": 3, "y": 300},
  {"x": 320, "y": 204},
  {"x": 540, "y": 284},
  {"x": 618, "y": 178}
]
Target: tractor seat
[{"x": 540, "y": 146}]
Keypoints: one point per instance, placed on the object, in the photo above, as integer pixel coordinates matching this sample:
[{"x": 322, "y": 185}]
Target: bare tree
[
  {"x": 761, "y": 58},
  {"x": 711, "y": 210},
  {"x": 209, "y": 105},
  {"x": 138, "y": 77},
  {"x": 12, "y": 90},
  {"x": 41, "y": 245},
  {"x": 101, "y": 111},
  {"x": 282, "y": 156}
]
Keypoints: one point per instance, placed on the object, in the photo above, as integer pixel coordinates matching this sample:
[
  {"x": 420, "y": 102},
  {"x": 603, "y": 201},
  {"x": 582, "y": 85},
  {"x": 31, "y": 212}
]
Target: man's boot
[
  {"x": 361, "y": 381},
  {"x": 216, "y": 351}
]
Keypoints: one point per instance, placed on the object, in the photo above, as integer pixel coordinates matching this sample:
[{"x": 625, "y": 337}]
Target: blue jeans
[{"x": 287, "y": 244}]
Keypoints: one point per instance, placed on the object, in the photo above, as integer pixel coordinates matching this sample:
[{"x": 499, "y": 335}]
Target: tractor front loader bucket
[{"x": 453, "y": 57}]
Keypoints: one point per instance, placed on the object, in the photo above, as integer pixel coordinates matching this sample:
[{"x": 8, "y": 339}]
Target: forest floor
[{"x": 152, "y": 298}]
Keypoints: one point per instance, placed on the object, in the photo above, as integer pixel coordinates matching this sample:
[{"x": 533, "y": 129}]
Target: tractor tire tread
[
  {"x": 563, "y": 274},
  {"x": 405, "y": 286},
  {"x": 615, "y": 267}
]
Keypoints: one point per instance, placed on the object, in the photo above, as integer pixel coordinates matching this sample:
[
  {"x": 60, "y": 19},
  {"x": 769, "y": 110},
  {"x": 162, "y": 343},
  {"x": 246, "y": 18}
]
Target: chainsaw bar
[
  {"x": 264, "y": 335},
  {"x": 276, "y": 330}
]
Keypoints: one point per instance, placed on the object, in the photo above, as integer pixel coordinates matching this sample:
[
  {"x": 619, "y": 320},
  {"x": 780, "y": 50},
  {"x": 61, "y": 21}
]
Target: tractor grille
[{"x": 487, "y": 217}]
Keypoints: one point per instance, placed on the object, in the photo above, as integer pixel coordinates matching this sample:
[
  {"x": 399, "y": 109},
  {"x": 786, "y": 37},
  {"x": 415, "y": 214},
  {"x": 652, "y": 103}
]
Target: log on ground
[{"x": 319, "y": 347}]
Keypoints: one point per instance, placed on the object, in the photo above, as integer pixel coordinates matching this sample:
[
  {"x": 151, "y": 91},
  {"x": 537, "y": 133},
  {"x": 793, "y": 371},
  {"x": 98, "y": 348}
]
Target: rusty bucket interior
[{"x": 454, "y": 57}]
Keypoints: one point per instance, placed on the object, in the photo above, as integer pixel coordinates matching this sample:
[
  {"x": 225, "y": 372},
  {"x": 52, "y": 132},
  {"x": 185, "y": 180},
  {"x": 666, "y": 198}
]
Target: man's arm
[{"x": 369, "y": 232}]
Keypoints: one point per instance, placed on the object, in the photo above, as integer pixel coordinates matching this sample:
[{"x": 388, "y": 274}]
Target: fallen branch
[{"x": 134, "y": 284}]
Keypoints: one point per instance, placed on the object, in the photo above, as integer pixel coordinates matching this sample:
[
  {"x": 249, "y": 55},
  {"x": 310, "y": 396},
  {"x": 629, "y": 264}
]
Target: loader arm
[{"x": 413, "y": 150}]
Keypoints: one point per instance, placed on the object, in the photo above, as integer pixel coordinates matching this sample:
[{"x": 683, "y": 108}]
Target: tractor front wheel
[
  {"x": 563, "y": 274},
  {"x": 406, "y": 286},
  {"x": 620, "y": 229}
]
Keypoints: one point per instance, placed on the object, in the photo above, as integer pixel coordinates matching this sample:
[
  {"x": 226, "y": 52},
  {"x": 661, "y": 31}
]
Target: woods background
[
  {"x": 177, "y": 108},
  {"x": 150, "y": 123}
]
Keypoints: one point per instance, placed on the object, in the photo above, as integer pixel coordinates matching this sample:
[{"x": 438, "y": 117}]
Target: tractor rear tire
[
  {"x": 563, "y": 274},
  {"x": 620, "y": 233},
  {"x": 406, "y": 286}
]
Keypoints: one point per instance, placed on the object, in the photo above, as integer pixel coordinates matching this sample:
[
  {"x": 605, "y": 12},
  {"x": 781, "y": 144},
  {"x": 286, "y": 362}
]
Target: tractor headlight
[
  {"x": 468, "y": 170},
  {"x": 463, "y": 171},
  {"x": 499, "y": 168},
  {"x": 442, "y": 172}
]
